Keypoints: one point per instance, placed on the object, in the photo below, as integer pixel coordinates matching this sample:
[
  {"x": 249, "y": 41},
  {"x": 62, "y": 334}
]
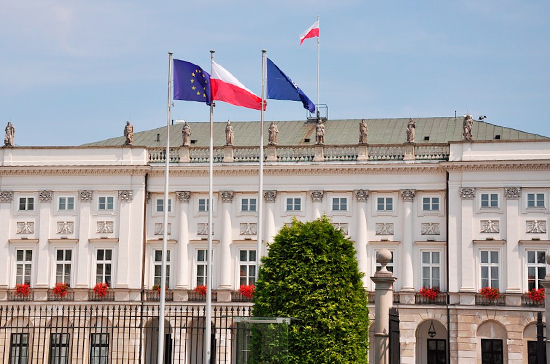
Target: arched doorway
[
  {"x": 492, "y": 345},
  {"x": 151, "y": 341},
  {"x": 431, "y": 343}
]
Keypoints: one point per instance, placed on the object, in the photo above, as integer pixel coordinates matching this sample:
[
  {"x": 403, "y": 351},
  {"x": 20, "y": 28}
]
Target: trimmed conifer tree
[{"x": 311, "y": 274}]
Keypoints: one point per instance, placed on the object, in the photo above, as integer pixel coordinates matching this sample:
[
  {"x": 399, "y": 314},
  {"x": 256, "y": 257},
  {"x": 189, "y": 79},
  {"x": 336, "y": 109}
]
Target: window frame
[
  {"x": 66, "y": 204},
  {"x": 246, "y": 205},
  {"x": 430, "y": 266},
  {"x": 28, "y": 203},
  {"x": 111, "y": 261},
  {"x": 15, "y": 355},
  {"x": 107, "y": 200},
  {"x": 250, "y": 278},
  {"x": 159, "y": 203},
  {"x": 489, "y": 194},
  {"x": 527, "y": 265},
  {"x": 57, "y": 346},
  {"x": 489, "y": 265},
  {"x": 293, "y": 202},
  {"x": 93, "y": 345},
  {"x": 336, "y": 201},
  {"x": 155, "y": 264},
  {"x": 64, "y": 264},
  {"x": 23, "y": 276}
]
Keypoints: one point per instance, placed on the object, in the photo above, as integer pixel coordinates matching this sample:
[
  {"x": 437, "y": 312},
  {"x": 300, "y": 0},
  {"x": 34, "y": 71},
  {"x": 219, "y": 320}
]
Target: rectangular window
[
  {"x": 66, "y": 204},
  {"x": 437, "y": 351},
  {"x": 430, "y": 203},
  {"x": 202, "y": 266},
  {"x": 293, "y": 204},
  {"x": 104, "y": 264},
  {"x": 535, "y": 200},
  {"x": 489, "y": 268},
  {"x": 489, "y": 200},
  {"x": 204, "y": 204},
  {"x": 160, "y": 205},
  {"x": 248, "y": 204},
  {"x": 491, "y": 351},
  {"x": 59, "y": 349},
  {"x": 23, "y": 266},
  {"x": 536, "y": 268},
  {"x": 99, "y": 348},
  {"x": 158, "y": 268},
  {"x": 532, "y": 357},
  {"x": 247, "y": 267},
  {"x": 431, "y": 269},
  {"x": 63, "y": 266},
  {"x": 26, "y": 203},
  {"x": 19, "y": 348},
  {"x": 106, "y": 203},
  {"x": 339, "y": 204},
  {"x": 384, "y": 204}
]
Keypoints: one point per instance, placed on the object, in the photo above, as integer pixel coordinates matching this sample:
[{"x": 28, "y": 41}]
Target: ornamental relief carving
[
  {"x": 65, "y": 227},
  {"x": 270, "y": 196},
  {"x": 6, "y": 196},
  {"x": 408, "y": 195},
  {"x": 490, "y": 226},
  {"x": 512, "y": 193},
  {"x": 467, "y": 193},
  {"x": 536, "y": 226},
  {"x": 343, "y": 227},
  {"x": 384, "y": 228},
  {"x": 249, "y": 228},
  {"x": 183, "y": 196},
  {"x": 45, "y": 196},
  {"x": 430, "y": 228},
  {"x": 317, "y": 195},
  {"x": 362, "y": 195},
  {"x": 159, "y": 230},
  {"x": 85, "y": 196},
  {"x": 126, "y": 195},
  {"x": 202, "y": 228},
  {"x": 25, "y": 227},
  {"x": 227, "y": 196},
  {"x": 105, "y": 227}
]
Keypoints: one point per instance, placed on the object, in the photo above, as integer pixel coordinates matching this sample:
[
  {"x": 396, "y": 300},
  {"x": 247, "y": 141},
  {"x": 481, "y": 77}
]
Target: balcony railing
[
  {"x": 109, "y": 296},
  {"x": 194, "y": 296},
  {"x": 237, "y": 296},
  {"x": 442, "y": 298},
  {"x": 154, "y": 295},
  {"x": 55, "y": 297},
  {"x": 482, "y": 300},
  {"x": 13, "y": 295},
  {"x": 528, "y": 301}
]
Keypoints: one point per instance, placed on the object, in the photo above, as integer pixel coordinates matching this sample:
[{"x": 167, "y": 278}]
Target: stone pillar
[
  {"x": 228, "y": 154},
  {"x": 467, "y": 289},
  {"x": 513, "y": 266},
  {"x": 269, "y": 197},
  {"x": 546, "y": 284},
  {"x": 184, "y": 154},
  {"x": 182, "y": 273},
  {"x": 83, "y": 267},
  {"x": 362, "y": 232},
  {"x": 226, "y": 240},
  {"x": 125, "y": 198},
  {"x": 383, "y": 281},
  {"x": 408, "y": 240},
  {"x": 6, "y": 198},
  {"x": 42, "y": 280},
  {"x": 317, "y": 202},
  {"x": 271, "y": 153},
  {"x": 319, "y": 153}
]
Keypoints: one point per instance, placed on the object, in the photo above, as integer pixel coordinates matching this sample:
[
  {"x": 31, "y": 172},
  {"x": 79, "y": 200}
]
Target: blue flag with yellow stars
[{"x": 191, "y": 82}]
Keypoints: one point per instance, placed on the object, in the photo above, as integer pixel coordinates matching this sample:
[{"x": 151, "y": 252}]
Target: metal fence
[{"x": 114, "y": 333}]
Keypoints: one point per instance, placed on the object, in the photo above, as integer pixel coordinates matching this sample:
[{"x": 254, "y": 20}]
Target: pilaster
[{"x": 182, "y": 273}]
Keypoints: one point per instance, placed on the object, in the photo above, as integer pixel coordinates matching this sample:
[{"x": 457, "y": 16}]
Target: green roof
[{"x": 337, "y": 132}]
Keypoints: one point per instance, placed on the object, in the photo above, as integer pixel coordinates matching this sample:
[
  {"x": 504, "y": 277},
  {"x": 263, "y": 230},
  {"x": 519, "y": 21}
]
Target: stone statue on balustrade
[
  {"x": 411, "y": 131},
  {"x": 10, "y": 135},
  {"x": 467, "y": 125},
  {"x": 273, "y": 131},
  {"x": 363, "y": 131},
  {"x": 319, "y": 133},
  {"x": 186, "y": 135},
  {"x": 129, "y": 134},
  {"x": 229, "y": 137}
]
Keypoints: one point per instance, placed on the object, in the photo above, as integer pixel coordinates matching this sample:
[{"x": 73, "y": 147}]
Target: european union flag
[
  {"x": 281, "y": 87},
  {"x": 191, "y": 82}
]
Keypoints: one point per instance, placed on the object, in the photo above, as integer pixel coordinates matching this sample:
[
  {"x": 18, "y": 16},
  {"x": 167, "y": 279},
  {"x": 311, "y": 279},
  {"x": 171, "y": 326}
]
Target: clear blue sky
[{"x": 73, "y": 72}]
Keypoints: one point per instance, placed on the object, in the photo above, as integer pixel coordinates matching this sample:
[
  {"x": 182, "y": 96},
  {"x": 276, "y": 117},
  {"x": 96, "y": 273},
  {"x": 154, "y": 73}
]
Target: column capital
[
  {"x": 317, "y": 195},
  {"x": 270, "y": 196},
  {"x": 45, "y": 196},
  {"x": 467, "y": 193},
  {"x": 227, "y": 196},
  {"x": 408, "y": 195},
  {"x": 183, "y": 196},
  {"x": 6, "y": 196},
  {"x": 512, "y": 193},
  {"x": 126, "y": 195},
  {"x": 362, "y": 195},
  {"x": 85, "y": 195}
]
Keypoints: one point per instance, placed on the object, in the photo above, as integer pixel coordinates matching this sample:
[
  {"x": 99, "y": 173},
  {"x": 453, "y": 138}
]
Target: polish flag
[
  {"x": 225, "y": 87},
  {"x": 311, "y": 32}
]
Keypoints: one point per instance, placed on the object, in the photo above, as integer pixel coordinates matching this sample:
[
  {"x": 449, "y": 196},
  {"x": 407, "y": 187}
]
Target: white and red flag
[
  {"x": 311, "y": 32},
  {"x": 225, "y": 87}
]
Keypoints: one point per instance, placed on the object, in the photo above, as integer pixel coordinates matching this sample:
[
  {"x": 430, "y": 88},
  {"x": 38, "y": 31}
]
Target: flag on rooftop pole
[
  {"x": 225, "y": 87},
  {"x": 191, "y": 82},
  {"x": 281, "y": 87},
  {"x": 311, "y": 32}
]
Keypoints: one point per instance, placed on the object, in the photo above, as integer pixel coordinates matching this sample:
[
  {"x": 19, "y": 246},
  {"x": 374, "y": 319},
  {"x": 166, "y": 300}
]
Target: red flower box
[
  {"x": 60, "y": 289},
  {"x": 101, "y": 289},
  {"x": 490, "y": 292},
  {"x": 537, "y": 295},
  {"x": 22, "y": 289},
  {"x": 429, "y": 293},
  {"x": 247, "y": 290},
  {"x": 201, "y": 289}
]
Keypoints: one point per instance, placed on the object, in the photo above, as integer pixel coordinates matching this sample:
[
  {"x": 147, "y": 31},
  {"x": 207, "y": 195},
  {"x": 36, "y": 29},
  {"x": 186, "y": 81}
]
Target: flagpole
[
  {"x": 160, "y": 347},
  {"x": 318, "y": 62},
  {"x": 259, "y": 230},
  {"x": 208, "y": 313}
]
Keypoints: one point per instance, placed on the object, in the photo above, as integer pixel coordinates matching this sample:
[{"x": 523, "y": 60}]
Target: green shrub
[{"x": 311, "y": 274}]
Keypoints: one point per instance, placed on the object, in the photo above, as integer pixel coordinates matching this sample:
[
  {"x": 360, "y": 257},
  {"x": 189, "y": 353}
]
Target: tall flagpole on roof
[
  {"x": 318, "y": 67},
  {"x": 160, "y": 346},
  {"x": 208, "y": 313},
  {"x": 259, "y": 230}
]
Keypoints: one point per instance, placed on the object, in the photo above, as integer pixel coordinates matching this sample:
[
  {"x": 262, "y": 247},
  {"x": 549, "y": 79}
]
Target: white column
[
  {"x": 467, "y": 195},
  {"x": 125, "y": 225},
  {"x": 408, "y": 239},
  {"x": 182, "y": 272},
  {"x": 270, "y": 230},
  {"x": 6, "y": 198},
  {"x": 226, "y": 240},
  {"x": 84, "y": 251},
  {"x": 513, "y": 261},
  {"x": 362, "y": 238},
  {"x": 317, "y": 202},
  {"x": 43, "y": 256}
]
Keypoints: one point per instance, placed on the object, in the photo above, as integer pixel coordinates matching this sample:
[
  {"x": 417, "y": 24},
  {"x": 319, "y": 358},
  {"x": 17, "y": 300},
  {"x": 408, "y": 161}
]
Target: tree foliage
[{"x": 311, "y": 274}]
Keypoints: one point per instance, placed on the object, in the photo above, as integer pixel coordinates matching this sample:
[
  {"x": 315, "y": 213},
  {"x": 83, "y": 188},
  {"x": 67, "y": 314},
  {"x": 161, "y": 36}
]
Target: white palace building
[{"x": 461, "y": 204}]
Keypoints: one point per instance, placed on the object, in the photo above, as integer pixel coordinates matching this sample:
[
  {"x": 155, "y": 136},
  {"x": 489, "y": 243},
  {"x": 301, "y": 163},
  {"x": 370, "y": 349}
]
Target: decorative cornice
[
  {"x": 408, "y": 195},
  {"x": 483, "y": 166},
  {"x": 73, "y": 171},
  {"x": 85, "y": 195},
  {"x": 270, "y": 196},
  {"x": 512, "y": 193},
  {"x": 317, "y": 195},
  {"x": 45, "y": 196},
  {"x": 362, "y": 195},
  {"x": 467, "y": 193},
  {"x": 6, "y": 196},
  {"x": 183, "y": 196},
  {"x": 126, "y": 195},
  {"x": 227, "y": 196}
]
